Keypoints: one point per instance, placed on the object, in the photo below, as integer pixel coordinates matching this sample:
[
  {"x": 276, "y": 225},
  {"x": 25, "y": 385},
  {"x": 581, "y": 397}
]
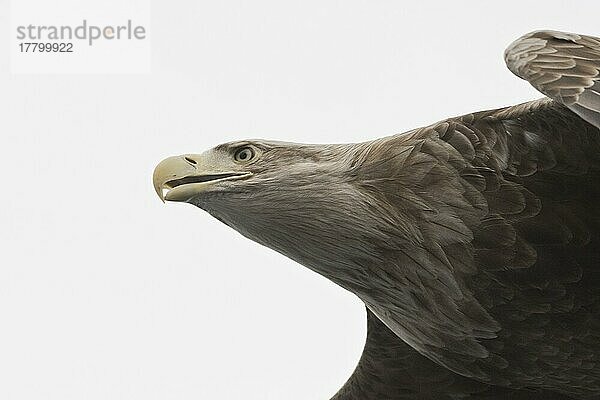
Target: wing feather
[{"x": 563, "y": 66}]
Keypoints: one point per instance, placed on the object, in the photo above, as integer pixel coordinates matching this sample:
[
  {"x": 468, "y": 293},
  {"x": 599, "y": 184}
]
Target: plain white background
[{"x": 106, "y": 293}]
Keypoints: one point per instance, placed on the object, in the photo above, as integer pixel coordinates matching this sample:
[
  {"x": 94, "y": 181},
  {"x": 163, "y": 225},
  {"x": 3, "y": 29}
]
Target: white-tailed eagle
[{"x": 473, "y": 242}]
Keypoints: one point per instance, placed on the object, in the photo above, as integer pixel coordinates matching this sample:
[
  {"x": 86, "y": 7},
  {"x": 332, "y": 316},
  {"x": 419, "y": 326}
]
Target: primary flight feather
[{"x": 474, "y": 242}]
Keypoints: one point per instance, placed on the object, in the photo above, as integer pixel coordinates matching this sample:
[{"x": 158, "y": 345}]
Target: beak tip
[
  {"x": 158, "y": 190},
  {"x": 158, "y": 179}
]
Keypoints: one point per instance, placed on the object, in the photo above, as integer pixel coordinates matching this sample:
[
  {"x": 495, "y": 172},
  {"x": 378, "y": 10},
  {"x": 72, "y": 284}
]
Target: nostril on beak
[{"x": 191, "y": 161}]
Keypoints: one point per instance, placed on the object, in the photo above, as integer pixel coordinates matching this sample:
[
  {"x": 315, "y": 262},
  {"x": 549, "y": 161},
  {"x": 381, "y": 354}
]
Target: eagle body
[
  {"x": 501, "y": 283},
  {"x": 474, "y": 242}
]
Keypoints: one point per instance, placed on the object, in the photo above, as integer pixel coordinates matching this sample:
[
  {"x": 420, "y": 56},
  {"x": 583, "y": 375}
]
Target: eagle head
[{"x": 301, "y": 200}]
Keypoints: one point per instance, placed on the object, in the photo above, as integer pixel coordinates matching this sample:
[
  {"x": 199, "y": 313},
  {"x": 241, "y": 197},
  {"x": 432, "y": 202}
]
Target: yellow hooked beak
[{"x": 180, "y": 178}]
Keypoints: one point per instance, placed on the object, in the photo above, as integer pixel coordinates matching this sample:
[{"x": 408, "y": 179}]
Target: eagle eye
[{"x": 244, "y": 154}]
